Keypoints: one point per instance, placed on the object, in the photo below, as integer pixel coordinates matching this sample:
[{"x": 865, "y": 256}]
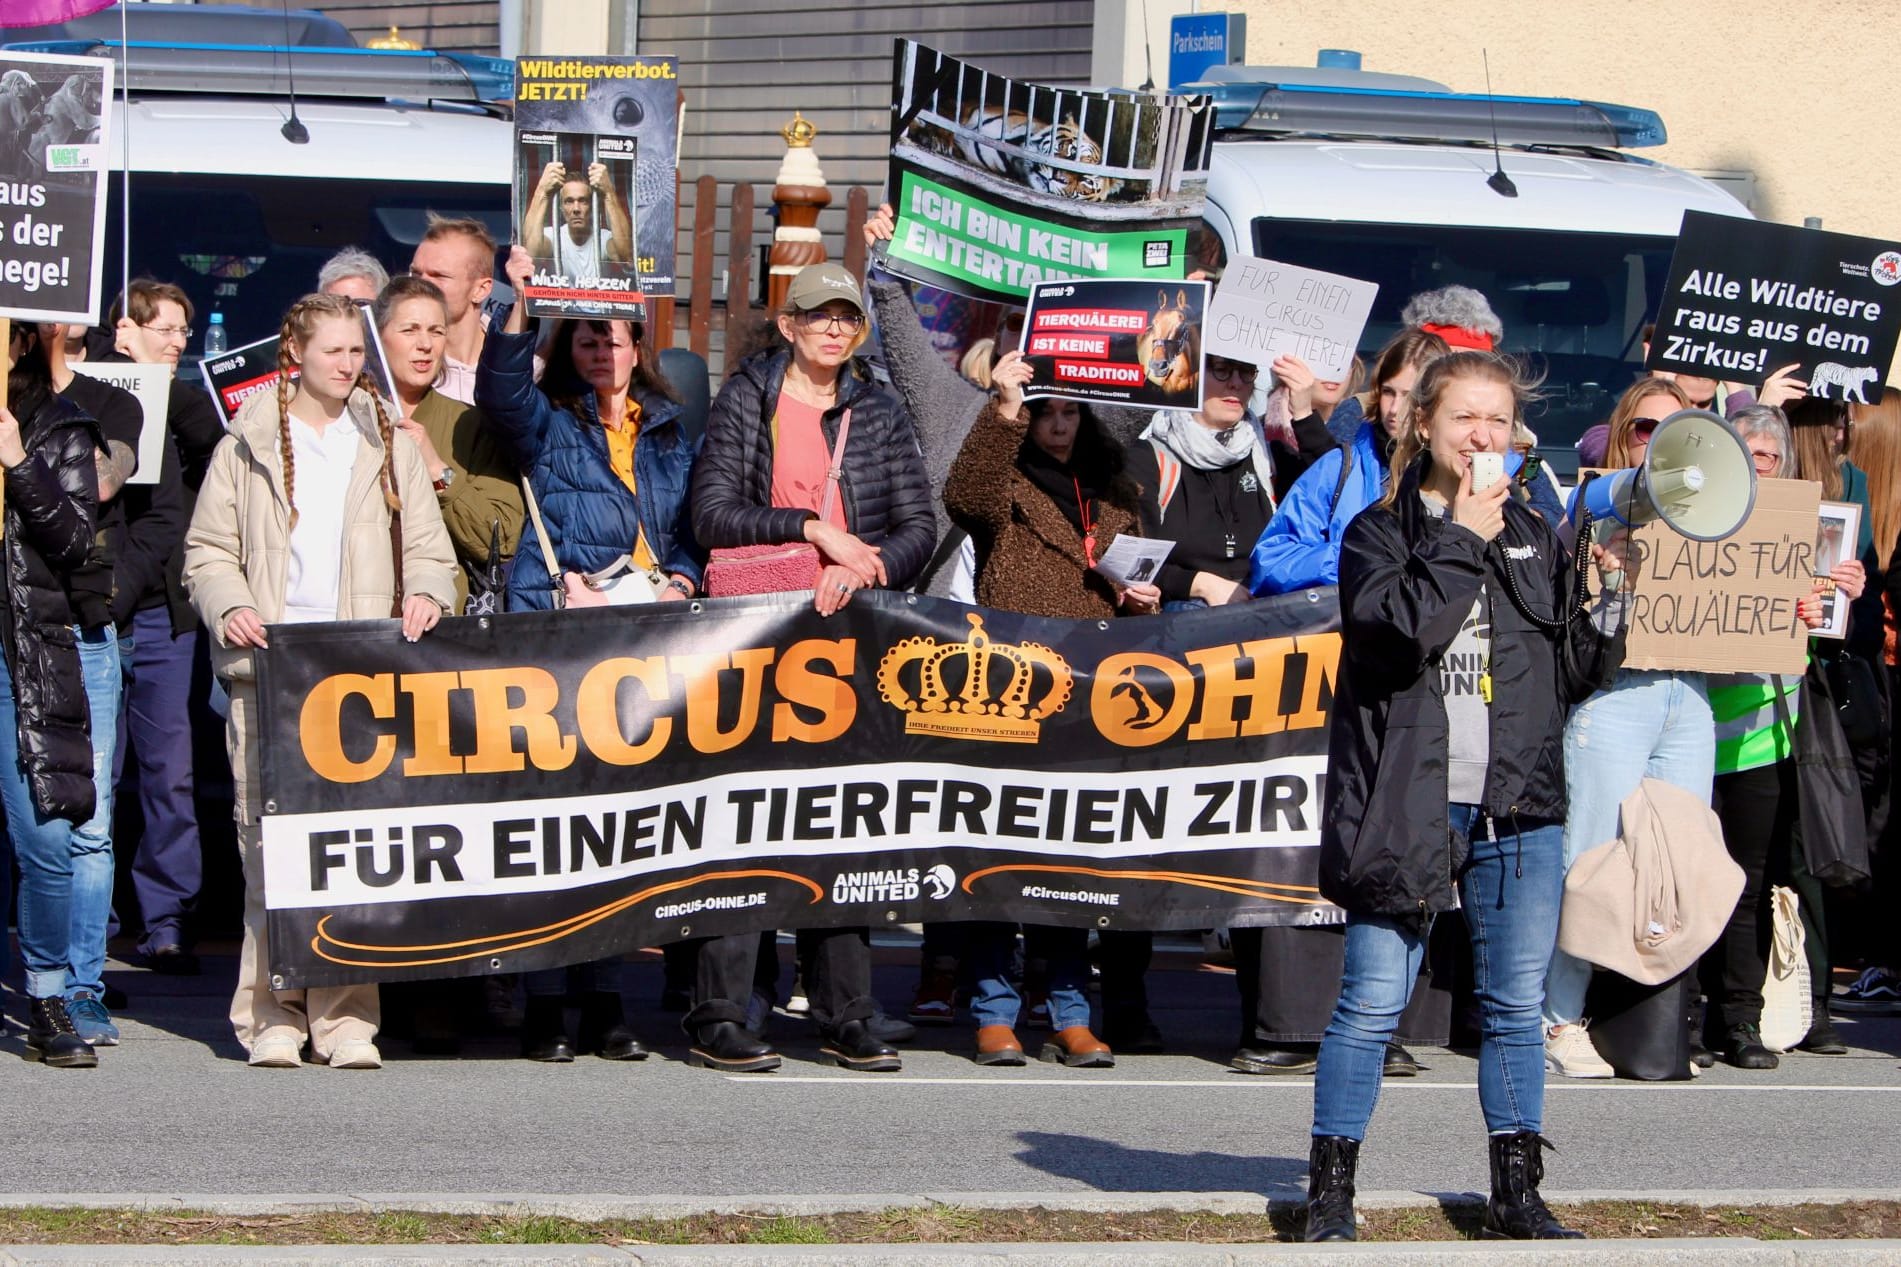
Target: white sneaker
[
  {"x": 356, "y": 1053},
  {"x": 1568, "y": 1051},
  {"x": 277, "y": 1053}
]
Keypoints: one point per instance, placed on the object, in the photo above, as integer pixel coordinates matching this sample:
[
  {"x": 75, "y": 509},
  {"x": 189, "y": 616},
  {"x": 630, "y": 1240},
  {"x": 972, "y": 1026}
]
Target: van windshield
[
  {"x": 250, "y": 246},
  {"x": 1574, "y": 304}
]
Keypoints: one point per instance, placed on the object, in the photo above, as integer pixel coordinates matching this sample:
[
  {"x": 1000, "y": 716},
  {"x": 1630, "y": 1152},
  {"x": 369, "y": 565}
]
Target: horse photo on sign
[{"x": 1123, "y": 342}]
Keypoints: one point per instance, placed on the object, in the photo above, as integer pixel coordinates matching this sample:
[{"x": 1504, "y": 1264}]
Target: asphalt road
[{"x": 174, "y": 1109}]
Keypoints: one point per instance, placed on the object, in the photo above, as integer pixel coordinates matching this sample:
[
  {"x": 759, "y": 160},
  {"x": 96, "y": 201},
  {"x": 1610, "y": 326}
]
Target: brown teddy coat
[{"x": 1029, "y": 555}]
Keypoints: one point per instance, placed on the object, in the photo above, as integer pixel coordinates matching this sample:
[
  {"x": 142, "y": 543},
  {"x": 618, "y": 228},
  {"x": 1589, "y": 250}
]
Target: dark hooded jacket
[
  {"x": 1407, "y": 582},
  {"x": 51, "y": 505},
  {"x": 887, "y": 495}
]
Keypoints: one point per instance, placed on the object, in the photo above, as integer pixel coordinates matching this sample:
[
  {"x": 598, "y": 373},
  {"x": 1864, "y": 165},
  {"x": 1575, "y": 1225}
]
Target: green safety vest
[{"x": 1752, "y": 731}]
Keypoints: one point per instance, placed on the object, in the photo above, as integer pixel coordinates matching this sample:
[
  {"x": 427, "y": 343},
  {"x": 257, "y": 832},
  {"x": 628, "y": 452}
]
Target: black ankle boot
[
  {"x": 51, "y": 1038},
  {"x": 730, "y": 1047},
  {"x": 604, "y": 1028},
  {"x": 854, "y": 1046},
  {"x": 1742, "y": 1047},
  {"x": 544, "y": 1030},
  {"x": 1276, "y": 1058},
  {"x": 1330, "y": 1188},
  {"x": 1516, "y": 1211}
]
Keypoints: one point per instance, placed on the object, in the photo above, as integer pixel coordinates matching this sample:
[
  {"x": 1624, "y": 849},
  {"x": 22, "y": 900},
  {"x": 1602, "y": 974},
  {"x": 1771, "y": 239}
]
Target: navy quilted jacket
[{"x": 590, "y": 514}]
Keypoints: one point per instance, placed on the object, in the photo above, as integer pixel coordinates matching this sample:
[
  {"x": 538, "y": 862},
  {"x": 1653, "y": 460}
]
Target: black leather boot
[
  {"x": 1276, "y": 1058},
  {"x": 1822, "y": 1038},
  {"x": 730, "y": 1047},
  {"x": 1742, "y": 1047},
  {"x": 1330, "y": 1168},
  {"x": 544, "y": 1030},
  {"x": 854, "y": 1046},
  {"x": 51, "y": 1038},
  {"x": 604, "y": 1028},
  {"x": 1516, "y": 1211},
  {"x": 1399, "y": 1063}
]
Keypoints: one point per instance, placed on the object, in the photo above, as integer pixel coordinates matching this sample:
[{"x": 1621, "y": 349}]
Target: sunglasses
[
  {"x": 1643, "y": 426},
  {"x": 1233, "y": 372}
]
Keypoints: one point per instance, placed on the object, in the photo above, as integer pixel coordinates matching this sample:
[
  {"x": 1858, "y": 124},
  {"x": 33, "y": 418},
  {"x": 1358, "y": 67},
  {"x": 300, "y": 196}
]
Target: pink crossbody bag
[{"x": 777, "y": 569}]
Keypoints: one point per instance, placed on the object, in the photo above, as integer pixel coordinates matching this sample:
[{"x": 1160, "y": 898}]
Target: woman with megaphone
[
  {"x": 1465, "y": 644},
  {"x": 1648, "y": 723}
]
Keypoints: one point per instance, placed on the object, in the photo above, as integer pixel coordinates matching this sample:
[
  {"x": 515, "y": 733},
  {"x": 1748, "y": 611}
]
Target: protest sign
[
  {"x": 1726, "y": 606},
  {"x": 1133, "y": 343},
  {"x": 152, "y": 385},
  {"x": 1000, "y": 184},
  {"x": 1746, "y": 298},
  {"x": 595, "y": 195},
  {"x": 234, "y": 377},
  {"x": 53, "y": 158},
  {"x": 540, "y": 788},
  {"x": 1264, "y": 309}
]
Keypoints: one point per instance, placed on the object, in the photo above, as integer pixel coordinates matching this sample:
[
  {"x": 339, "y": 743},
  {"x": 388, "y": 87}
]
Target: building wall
[
  {"x": 1802, "y": 97},
  {"x": 457, "y": 25}
]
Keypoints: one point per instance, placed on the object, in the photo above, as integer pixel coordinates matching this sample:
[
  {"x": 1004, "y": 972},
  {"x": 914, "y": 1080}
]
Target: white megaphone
[{"x": 1697, "y": 476}]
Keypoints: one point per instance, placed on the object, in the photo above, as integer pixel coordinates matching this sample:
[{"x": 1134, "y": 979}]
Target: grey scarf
[{"x": 1206, "y": 449}]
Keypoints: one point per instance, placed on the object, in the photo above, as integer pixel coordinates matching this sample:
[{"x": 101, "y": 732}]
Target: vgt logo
[
  {"x": 1887, "y": 268},
  {"x": 940, "y": 880}
]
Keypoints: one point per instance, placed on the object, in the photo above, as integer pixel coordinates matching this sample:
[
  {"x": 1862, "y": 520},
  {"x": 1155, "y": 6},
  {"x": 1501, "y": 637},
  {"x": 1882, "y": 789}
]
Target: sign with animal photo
[
  {"x": 1001, "y": 184},
  {"x": 54, "y": 143},
  {"x": 1747, "y": 298},
  {"x": 1130, "y": 343},
  {"x": 1264, "y": 309}
]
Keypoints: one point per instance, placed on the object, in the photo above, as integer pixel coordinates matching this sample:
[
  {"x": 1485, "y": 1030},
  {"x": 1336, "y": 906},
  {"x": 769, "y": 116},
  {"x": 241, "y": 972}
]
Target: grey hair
[
  {"x": 1766, "y": 420},
  {"x": 1453, "y": 306},
  {"x": 352, "y": 261}
]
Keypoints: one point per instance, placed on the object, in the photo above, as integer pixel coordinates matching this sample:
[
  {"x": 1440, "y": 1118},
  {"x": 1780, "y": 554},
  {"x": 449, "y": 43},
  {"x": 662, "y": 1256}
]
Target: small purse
[
  {"x": 618, "y": 584},
  {"x": 1786, "y": 1003},
  {"x": 783, "y": 568}
]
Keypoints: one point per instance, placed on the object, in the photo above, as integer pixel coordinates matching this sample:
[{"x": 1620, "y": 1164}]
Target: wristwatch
[
  {"x": 675, "y": 583},
  {"x": 444, "y": 480}
]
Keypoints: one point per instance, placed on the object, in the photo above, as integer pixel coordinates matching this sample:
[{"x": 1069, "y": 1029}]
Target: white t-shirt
[
  {"x": 579, "y": 261},
  {"x": 324, "y": 465}
]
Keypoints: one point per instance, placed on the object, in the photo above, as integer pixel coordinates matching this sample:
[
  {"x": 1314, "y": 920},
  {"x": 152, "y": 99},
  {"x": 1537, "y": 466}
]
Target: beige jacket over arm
[{"x": 237, "y": 550}]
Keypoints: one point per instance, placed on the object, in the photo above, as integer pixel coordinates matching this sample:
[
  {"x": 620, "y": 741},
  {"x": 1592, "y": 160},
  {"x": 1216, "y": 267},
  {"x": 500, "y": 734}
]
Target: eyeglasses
[
  {"x": 1643, "y": 426},
  {"x": 1233, "y": 372},
  {"x": 1765, "y": 461},
  {"x": 819, "y": 319},
  {"x": 170, "y": 332}
]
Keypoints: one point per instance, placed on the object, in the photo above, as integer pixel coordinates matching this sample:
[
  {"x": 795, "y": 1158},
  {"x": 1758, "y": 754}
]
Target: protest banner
[
  {"x": 535, "y": 789},
  {"x": 234, "y": 377},
  {"x": 1000, "y": 184},
  {"x": 1746, "y": 298},
  {"x": 1132, "y": 343},
  {"x": 152, "y": 385},
  {"x": 1265, "y": 309},
  {"x": 1726, "y": 606},
  {"x": 54, "y": 127},
  {"x": 595, "y": 196}
]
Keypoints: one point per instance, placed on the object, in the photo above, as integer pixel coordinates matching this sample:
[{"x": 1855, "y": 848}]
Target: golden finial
[
  {"x": 395, "y": 40},
  {"x": 798, "y": 134}
]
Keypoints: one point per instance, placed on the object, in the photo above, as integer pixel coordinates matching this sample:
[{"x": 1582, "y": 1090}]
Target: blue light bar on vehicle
[
  {"x": 1309, "y": 110},
  {"x": 265, "y": 69}
]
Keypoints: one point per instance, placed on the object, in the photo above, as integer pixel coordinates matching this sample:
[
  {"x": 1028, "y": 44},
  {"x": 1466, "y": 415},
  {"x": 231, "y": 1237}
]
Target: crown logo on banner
[{"x": 975, "y": 689}]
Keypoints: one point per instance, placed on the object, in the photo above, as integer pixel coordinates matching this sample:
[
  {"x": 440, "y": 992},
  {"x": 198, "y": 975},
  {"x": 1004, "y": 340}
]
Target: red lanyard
[{"x": 1088, "y": 523}]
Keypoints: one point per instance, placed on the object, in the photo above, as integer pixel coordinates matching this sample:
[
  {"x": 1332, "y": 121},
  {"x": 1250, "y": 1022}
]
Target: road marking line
[{"x": 1244, "y": 1082}]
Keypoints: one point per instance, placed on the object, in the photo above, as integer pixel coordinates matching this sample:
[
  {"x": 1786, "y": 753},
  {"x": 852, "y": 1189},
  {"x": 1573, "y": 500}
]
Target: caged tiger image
[
  {"x": 1065, "y": 140},
  {"x": 1170, "y": 349}
]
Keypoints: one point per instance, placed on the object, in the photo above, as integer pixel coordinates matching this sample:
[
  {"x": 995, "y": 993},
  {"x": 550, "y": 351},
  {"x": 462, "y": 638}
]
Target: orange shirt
[
  {"x": 620, "y": 455},
  {"x": 801, "y": 460}
]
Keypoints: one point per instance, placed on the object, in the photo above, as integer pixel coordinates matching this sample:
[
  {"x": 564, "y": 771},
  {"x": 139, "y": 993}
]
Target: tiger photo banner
[
  {"x": 1001, "y": 184},
  {"x": 544, "y": 788}
]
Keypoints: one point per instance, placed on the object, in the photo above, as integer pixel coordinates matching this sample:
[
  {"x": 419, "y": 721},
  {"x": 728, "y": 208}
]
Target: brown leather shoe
[
  {"x": 998, "y": 1045},
  {"x": 1077, "y": 1048}
]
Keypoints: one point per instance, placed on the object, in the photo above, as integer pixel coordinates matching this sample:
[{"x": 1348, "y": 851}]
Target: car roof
[
  {"x": 1404, "y": 183},
  {"x": 384, "y": 141}
]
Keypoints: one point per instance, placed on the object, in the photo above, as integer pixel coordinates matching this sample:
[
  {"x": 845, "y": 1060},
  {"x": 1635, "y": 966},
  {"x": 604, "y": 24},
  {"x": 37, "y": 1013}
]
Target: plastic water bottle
[{"x": 214, "y": 337}]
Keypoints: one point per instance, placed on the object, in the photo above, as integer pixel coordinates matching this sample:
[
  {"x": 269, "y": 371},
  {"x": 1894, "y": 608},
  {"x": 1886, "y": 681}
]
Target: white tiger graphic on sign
[{"x": 1852, "y": 381}]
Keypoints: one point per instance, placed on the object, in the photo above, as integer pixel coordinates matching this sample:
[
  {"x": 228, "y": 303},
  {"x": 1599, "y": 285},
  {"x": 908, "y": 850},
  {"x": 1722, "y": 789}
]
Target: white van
[
  {"x": 226, "y": 206},
  {"x": 1390, "y": 179}
]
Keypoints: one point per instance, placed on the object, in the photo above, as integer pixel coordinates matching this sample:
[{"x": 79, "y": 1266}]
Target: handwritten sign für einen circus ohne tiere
[
  {"x": 1726, "y": 606},
  {"x": 1264, "y": 309}
]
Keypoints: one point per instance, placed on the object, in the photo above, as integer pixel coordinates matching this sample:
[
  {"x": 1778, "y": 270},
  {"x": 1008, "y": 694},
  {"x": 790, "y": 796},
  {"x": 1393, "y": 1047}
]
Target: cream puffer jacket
[{"x": 237, "y": 550}]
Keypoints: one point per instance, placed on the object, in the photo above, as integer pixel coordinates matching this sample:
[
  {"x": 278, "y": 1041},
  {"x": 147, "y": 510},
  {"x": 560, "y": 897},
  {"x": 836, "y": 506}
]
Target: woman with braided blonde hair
[{"x": 293, "y": 524}]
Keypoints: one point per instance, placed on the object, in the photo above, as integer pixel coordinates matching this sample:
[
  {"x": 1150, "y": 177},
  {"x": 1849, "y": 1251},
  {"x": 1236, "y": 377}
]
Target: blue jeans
[
  {"x": 988, "y": 950},
  {"x": 1510, "y": 892},
  {"x": 1648, "y": 725},
  {"x": 92, "y": 839},
  {"x": 43, "y": 847}
]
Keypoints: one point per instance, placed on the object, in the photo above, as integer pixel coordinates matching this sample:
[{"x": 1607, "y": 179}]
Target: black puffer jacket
[
  {"x": 1407, "y": 582},
  {"x": 52, "y": 502},
  {"x": 887, "y": 495}
]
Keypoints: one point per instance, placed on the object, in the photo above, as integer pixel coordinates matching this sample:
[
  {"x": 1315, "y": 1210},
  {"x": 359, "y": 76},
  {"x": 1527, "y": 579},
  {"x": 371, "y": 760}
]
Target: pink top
[{"x": 800, "y": 459}]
